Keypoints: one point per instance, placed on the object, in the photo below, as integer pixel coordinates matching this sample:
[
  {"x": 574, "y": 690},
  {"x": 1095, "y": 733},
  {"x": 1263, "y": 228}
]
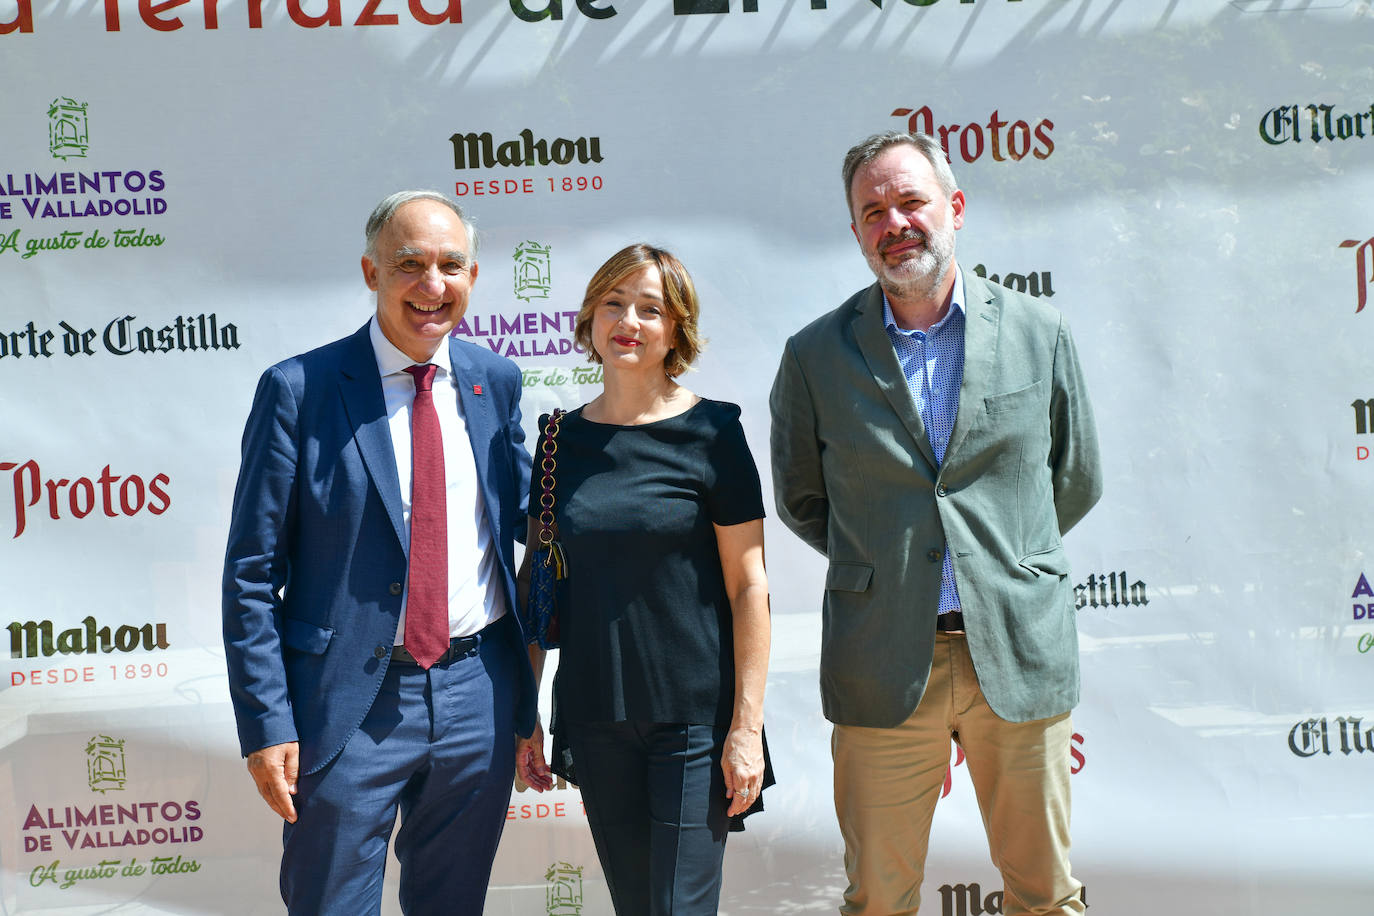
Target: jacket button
[
  {"x": 395, "y": 588},
  {"x": 933, "y": 555},
  {"x": 379, "y": 652},
  {"x": 940, "y": 490}
]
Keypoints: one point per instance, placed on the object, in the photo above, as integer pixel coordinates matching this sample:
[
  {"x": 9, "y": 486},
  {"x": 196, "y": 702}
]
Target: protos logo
[
  {"x": 1364, "y": 270},
  {"x": 1002, "y": 139},
  {"x": 1075, "y": 752},
  {"x": 118, "y": 495}
]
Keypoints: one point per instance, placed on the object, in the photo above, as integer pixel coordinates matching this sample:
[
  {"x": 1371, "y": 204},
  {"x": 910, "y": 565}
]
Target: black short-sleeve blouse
[{"x": 646, "y": 633}]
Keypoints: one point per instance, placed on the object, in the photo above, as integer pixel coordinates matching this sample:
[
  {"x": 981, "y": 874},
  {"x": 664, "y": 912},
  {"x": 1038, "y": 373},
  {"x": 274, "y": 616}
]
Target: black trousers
[{"x": 655, "y": 799}]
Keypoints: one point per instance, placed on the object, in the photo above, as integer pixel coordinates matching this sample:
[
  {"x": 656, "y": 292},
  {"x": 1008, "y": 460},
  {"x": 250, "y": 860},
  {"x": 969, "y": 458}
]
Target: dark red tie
[{"x": 426, "y": 634}]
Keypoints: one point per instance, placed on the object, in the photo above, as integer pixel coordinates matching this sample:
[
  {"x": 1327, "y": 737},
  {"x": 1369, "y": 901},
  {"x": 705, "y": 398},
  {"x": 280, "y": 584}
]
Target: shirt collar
[
  {"x": 956, "y": 303},
  {"x": 390, "y": 359}
]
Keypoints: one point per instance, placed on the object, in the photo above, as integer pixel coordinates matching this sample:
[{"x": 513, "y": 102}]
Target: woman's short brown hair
[{"x": 679, "y": 298}]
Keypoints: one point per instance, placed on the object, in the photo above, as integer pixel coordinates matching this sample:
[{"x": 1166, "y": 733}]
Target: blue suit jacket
[{"x": 316, "y": 560}]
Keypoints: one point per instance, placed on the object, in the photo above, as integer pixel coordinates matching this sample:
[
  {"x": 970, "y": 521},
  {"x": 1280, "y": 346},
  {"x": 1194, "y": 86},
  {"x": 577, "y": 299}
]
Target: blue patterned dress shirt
[{"x": 933, "y": 364}]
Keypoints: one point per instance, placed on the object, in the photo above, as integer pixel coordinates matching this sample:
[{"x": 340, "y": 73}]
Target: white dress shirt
[{"x": 474, "y": 592}]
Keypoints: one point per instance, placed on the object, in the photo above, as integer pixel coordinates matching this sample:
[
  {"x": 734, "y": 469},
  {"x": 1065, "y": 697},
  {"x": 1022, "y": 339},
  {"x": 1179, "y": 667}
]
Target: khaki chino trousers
[{"x": 887, "y": 781}]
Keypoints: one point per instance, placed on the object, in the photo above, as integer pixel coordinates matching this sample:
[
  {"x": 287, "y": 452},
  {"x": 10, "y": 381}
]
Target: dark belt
[
  {"x": 458, "y": 646},
  {"x": 953, "y": 622}
]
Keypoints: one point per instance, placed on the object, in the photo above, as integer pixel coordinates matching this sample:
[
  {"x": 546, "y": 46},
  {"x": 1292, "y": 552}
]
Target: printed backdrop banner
[{"x": 184, "y": 188}]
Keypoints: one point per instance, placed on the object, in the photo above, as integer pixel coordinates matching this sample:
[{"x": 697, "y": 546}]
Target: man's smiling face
[{"x": 422, "y": 271}]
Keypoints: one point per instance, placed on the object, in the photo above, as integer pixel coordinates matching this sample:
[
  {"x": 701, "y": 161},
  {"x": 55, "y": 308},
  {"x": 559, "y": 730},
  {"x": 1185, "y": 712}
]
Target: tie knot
[{"x": 424, "y": 376}]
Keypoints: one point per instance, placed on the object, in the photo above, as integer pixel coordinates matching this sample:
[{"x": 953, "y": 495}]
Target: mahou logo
[
  {"x": 1002, "y": 140},
  {"x": 968, "y": 900},
  {"x": 473, "y": 150},
  {"x": 1364, "y": 424},
  {"x": 41, "y": 638},
  {"x": 110, "y": 493},
  {"x": 1033, "y": 283}
]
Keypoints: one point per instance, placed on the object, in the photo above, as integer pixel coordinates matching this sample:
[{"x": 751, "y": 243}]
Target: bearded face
[
  {"x": 905, "y": 222},
  {"x": 913, "y": 264}
]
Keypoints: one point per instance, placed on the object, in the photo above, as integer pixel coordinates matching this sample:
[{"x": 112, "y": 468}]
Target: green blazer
[{"x": 855, "y": 477}]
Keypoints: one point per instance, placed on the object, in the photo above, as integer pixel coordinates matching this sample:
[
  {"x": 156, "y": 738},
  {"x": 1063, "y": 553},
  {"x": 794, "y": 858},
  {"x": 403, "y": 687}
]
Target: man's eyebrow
[{"x": 407, "y": 251}]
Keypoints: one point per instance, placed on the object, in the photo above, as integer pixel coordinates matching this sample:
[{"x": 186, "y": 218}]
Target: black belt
[
  {"x": 458, "y": 646},
  {"x": 953, "y": 622}
]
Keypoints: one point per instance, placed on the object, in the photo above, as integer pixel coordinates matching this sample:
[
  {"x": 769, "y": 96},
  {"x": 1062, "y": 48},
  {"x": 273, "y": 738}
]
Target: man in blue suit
[{"x": 376, "y": 659}]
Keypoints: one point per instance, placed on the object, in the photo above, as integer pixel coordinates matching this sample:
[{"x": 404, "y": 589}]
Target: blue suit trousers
[{"x": 437, "y": 746}]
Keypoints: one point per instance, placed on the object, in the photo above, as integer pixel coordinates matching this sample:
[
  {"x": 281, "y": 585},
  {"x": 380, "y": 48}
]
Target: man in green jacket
[{"x": 932, "y": 437}]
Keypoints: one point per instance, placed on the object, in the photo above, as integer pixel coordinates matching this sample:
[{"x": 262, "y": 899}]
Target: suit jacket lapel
[
  {"x": 360, "y": 386},
  {"x": 982, "y": 316},
  {"x": 475, "y": 394},
  {"x": 877, "y": 351}
]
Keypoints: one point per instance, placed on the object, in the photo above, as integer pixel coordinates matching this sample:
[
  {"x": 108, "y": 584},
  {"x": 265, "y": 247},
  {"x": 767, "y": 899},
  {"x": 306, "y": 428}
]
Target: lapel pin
[{"x": 476, "y": 389}]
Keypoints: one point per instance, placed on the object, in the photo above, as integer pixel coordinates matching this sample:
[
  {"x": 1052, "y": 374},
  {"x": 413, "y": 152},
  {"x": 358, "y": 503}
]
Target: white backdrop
[{"x": 1181, "y": 180}]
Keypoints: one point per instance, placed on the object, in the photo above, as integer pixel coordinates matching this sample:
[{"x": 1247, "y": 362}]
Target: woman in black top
[{"x": 665, "y": 634}]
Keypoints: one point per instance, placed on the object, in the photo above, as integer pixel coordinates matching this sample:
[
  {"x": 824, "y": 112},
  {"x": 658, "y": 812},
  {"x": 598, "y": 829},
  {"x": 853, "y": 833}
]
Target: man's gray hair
[
  {"x": 384, "y": 211},
  {"x": 864, "y": 152}
]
